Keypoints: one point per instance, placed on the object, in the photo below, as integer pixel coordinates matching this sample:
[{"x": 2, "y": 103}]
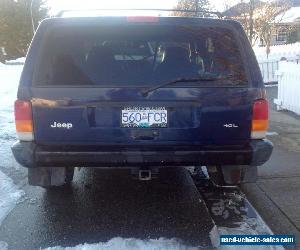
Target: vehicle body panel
[{"x": 94, "y": 123}]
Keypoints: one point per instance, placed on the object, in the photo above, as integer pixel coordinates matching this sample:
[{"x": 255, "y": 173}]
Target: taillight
[
  {"x": 23, "y": 119},
  {"x": 260, "y": 119}
]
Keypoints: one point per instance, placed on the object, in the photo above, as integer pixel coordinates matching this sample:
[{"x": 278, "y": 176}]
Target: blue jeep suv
[{"x": 140, "y": 92}]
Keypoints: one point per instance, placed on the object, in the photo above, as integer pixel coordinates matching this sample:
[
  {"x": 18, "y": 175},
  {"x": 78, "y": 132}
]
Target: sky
[{"x": 57, "y": 5}]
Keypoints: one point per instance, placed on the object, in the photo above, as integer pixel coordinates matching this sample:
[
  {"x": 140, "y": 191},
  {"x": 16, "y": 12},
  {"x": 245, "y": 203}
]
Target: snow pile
[
  {"x": 277, "y": 52},
  {"x": 130, "y": 244},
  {"x": 18, "y": 61},
  {"x": 250, "y": 222},
  {"x": 9, "y": 196},
  {"x": 268, "y": 63},
  {"x": 9, "y": 79}
]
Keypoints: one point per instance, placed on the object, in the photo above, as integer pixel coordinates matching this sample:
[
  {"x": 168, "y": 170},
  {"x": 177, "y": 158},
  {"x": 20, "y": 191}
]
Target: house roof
[{"x": 292, "y": 15}]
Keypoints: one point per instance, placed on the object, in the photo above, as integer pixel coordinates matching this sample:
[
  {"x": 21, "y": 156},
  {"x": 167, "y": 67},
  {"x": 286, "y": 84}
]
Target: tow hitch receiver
[{"x": 145, "y": 175}]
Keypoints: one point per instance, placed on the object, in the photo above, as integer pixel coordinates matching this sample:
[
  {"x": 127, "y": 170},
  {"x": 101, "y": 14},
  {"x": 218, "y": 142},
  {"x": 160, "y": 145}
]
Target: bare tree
[
  {"x": 265, "y": 22},
  {"x": 193, "y": 5},
  {"x": 226, "y": 4},
  {"x": 244, "y": 13},
  {"x": 251, "y": 26},
  {"x": 258, "y": 18}
]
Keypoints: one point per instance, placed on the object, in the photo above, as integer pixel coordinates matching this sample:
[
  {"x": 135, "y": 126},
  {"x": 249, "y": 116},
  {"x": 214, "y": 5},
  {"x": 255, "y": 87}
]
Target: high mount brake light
[
  {"x": 260, "y": 119},
  {"x": 143, "y": 19},
  {"x": 23, "y": 120}
]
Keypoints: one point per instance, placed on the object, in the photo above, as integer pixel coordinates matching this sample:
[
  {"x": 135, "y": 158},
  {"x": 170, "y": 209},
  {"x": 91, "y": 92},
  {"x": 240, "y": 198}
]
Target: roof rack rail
[{"x": 216, "y": 13}]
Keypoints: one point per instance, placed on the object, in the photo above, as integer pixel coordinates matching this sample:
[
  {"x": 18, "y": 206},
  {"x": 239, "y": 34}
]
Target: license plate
[{"x": 139, "y": 117}]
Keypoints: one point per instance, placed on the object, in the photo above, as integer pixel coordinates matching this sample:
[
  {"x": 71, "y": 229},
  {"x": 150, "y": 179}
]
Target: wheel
[{"x": 48, "y": 177}]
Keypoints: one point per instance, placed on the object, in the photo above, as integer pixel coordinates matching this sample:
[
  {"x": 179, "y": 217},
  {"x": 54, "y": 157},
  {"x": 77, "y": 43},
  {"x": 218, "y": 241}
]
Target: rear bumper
[{"x": 30, "y": 155}]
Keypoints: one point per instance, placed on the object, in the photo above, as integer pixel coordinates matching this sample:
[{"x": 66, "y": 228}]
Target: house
[{"x": 285, "y": 26}]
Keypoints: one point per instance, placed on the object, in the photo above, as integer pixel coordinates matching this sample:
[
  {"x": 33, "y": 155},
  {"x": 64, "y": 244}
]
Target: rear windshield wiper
[{"x": 145, "y": 92}]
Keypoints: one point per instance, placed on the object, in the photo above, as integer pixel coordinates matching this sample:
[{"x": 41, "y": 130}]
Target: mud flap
[
  {"x": 249, "y": 174},
  {"x": 47, "y": 176},
  {"x": 232, "y": 174},
  {"x": 235, "y": 175}
]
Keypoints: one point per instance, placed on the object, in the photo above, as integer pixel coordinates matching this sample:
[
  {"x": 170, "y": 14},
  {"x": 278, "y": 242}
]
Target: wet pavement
[{"x": 103, "y": 204}]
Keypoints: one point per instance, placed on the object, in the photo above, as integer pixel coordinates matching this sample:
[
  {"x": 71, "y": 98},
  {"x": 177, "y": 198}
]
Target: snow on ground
[
  {"x": 9, "y": 195},
  {"x": 18, "y": 61},
  {"x": 288, "y": 51},
  {"x": 247, "y": 225},
  {"x": 9, "y": 79},
  {"x": 131, "y": 244}
]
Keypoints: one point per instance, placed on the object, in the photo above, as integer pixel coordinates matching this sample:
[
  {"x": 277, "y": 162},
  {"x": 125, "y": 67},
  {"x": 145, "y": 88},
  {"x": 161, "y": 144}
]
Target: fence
[
  {"x": 269, "y": 63},
  {"x": 268, "y": 69},
  {"x": 288, "y": 87}
]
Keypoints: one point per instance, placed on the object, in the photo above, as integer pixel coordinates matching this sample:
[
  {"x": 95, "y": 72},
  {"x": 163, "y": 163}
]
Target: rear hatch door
[{"x": 90, "y": 77}]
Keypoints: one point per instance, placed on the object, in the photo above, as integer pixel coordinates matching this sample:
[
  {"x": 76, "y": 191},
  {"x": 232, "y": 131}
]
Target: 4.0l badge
[{"x": 230, "y": 125}]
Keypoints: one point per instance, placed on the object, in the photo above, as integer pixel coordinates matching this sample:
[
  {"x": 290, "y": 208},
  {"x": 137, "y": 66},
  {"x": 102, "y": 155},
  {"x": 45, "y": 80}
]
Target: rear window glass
[{"x": 137, "y": 55}]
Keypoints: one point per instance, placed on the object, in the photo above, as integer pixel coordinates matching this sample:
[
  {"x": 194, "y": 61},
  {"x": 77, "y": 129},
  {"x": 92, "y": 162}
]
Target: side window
[{"x": 281, "y": 34}]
